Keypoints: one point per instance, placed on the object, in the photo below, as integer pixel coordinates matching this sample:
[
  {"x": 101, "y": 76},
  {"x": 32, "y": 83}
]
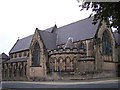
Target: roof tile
[{"x": 22, "y": 44}]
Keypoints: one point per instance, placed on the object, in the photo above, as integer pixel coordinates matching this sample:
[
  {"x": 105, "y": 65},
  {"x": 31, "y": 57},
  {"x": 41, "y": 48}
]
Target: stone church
[{"x": 80, "y": 50}]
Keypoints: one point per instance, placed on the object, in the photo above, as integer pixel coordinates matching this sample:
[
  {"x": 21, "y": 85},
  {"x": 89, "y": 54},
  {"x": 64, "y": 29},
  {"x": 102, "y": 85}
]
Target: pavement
[{"x": 72, "y": 82}]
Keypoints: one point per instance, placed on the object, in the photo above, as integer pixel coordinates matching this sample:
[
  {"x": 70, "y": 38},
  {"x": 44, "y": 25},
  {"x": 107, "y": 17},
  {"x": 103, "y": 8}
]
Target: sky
[{"x": 20, "y": 18}]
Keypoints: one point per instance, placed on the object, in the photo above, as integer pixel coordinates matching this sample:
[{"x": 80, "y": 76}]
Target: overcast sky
[{"x": 20, "y": 18}]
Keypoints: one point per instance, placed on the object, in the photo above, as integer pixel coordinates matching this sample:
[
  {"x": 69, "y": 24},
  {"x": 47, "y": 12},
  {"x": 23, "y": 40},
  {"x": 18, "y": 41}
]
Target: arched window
[
  {"x": 55, "y": 60},
  {"x": 25, "y": 68},
  {"x": 90, "y": 45},
  {"x": 82, "y": 46},
  {"x": 60, "y": 64},
  {"x": 21, "y": 69},
  {"x": 36, "y": 55},
  {"x": 106, "y": 45},
  {"x": 15, "y": 70},
  {"x": 52, "y": 64},
  {"x": 10, "y": 70},
  {"x": 25, "y": 53},
  {"x": 68, "y": 63}
]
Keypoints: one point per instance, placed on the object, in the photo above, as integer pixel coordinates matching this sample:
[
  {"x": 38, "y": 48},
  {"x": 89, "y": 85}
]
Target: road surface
[{"x": 53, "y": 84}]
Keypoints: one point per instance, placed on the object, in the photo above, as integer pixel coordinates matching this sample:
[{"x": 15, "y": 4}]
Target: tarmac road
[{"x": 53, "y": 84}]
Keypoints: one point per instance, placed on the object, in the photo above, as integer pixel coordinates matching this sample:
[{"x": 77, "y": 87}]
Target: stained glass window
[
  {"x": 106, "y": 45},
  {"x": 36, "y": 55}
]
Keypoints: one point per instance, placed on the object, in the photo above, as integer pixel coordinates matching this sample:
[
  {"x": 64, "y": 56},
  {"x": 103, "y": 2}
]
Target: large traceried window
[
  {"x": 36, "y": 55},
  {"x": 106, "y": 45}
]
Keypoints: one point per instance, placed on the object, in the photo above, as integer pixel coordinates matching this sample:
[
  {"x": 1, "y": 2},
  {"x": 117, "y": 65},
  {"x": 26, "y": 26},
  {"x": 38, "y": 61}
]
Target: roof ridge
[
  {"x": 45, "y": 31},
  {"x": 25, "y": 37},
  {"x": 75, "y": 22},
  {"x": 50, "y": 28}
]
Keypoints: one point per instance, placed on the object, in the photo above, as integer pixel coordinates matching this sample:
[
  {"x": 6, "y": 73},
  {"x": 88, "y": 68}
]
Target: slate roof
[
  {"x": 51, "y": 29},
  {"x": 4, "y": 56},
  {"x": 117, "y": 37},
  {"x": 22, "y": 44},
  {"x": 80, "y": 30},
  {"x": 49, "y": 39}
]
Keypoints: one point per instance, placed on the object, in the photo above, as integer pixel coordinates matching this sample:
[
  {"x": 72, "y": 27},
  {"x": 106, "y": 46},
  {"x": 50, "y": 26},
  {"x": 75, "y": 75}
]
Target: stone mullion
[
  {"x": 55, "y": 64},
  {"x": 71, "y": 66},
  {"x": 64, "y": 65}
]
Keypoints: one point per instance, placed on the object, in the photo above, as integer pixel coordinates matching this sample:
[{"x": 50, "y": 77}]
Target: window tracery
[
  {"x": 36, "y": 55},
  {"x": 106, "y": 44}
]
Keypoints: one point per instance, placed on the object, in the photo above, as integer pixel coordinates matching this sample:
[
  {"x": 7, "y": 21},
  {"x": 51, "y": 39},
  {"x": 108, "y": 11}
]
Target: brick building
[{"x": 77, "y": 50}]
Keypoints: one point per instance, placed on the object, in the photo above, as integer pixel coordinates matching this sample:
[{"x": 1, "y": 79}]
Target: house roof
[
  {"x": 80, "y": 30},
  {"x": 51, "y": 29},
  {"x": 4, "y": 56},
  {"x": 22, "y": 44},
  {"x": 49, "y": 39},
  {"x": 117, "y": 37}
]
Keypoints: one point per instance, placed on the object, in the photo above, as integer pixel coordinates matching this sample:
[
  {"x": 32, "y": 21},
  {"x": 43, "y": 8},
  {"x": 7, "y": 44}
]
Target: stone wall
[
  {"x": 14, "y": 71},
  {"x": 37, "y": 71},
  {"x": 79, "y": 63}
]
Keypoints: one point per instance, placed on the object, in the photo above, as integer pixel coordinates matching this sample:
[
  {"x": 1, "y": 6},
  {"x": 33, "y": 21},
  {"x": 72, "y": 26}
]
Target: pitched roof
[
  {"x": 22, "y": 44},
  {"x": 80, "y": 30},
  {"x": 49, "y": 39},
  {"x": 51, "y": 29},
  {"x": 117, "y": 37},
  {"x": 4, "y": 56}
]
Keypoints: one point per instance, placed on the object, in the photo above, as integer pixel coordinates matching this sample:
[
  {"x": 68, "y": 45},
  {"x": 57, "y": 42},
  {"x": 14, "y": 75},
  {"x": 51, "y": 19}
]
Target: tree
[{"x": 107, "y": 11}]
